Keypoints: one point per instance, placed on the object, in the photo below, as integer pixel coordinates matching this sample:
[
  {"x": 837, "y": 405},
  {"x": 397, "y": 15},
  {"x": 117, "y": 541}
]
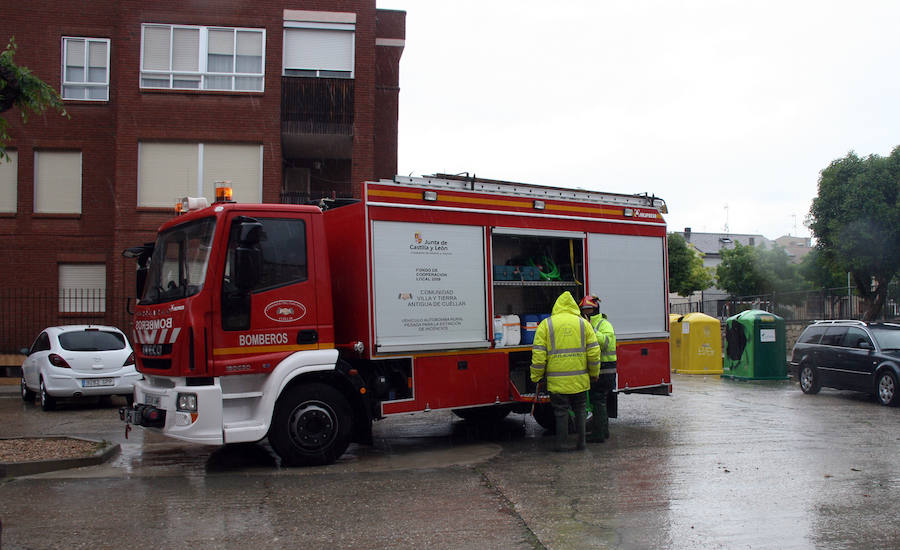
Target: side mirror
[
  {"x": 864, "y": 345},
  {"x": 247, "y": 262},
  {"x": 24, "y": 351},
  {"x": 141, "y": 255}
]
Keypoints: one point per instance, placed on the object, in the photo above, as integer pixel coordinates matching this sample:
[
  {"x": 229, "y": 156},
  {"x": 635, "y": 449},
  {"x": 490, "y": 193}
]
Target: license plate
[
  {"x": 97, "y": 382},
  {"x": 152, "y": 400}
]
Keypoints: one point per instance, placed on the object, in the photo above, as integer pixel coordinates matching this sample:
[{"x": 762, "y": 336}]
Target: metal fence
[
  {"x": 24, "y": 313},
  {"x": 827, "y": 303}
]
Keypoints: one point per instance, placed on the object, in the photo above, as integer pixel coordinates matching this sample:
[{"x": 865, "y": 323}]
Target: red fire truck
[{"x": 304, "y": 324}]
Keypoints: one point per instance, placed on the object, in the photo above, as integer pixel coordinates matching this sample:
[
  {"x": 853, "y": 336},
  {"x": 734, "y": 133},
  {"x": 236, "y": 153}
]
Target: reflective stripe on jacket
[
  {"x": 606, "y": 335},
  {"x": 565, "y": 349}
]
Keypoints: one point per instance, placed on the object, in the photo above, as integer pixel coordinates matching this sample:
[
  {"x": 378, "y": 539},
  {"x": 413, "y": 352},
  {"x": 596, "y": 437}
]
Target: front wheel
[
  {"x": 311, "y": 425},
  {"x": 886, "y": 389},
  {"x": 809, "y": 379}
]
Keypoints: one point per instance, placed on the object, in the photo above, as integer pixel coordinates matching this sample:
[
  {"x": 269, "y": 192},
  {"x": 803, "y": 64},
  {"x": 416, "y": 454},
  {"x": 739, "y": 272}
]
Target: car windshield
[
  {"x": 178, "y": 265},
  {"x": 91, "y": 340},
  {"x": 887, "y": 338}
]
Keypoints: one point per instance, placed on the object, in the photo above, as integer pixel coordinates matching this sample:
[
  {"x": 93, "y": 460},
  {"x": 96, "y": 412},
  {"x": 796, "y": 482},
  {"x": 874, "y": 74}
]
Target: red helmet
[{"x": 589, "y": 301}]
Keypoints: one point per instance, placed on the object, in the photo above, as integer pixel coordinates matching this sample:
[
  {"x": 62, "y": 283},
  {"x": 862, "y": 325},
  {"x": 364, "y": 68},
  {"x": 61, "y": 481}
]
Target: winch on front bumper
[{"x": 143, "y": 415}]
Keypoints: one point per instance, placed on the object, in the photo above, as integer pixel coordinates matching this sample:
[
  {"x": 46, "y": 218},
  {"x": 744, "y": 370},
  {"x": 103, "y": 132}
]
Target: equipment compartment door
[{"x": 461, "y": 380}]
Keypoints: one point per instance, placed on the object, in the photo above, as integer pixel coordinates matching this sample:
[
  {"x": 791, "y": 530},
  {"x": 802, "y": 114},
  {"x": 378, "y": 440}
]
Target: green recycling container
[{"x": 755, "y": 346}]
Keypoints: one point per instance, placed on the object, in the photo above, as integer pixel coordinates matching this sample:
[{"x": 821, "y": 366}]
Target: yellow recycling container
[
  {"x": 700, "y": 345},
  {"x": 675, "y": 342}
]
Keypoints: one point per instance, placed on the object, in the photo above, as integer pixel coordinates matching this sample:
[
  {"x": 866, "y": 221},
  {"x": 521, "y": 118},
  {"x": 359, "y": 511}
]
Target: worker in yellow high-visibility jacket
[
  {"x": 606, "y": 382},
  {"x": 566, "y": 352}
]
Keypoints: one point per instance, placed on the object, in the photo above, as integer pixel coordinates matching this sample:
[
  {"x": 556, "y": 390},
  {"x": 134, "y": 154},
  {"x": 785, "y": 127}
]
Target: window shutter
[
  {"x": 249, "y": 43},
  {"x": 186, "y": 50},
  {"x": 318, "y": 49},
  {"x": 9, "y": 182},
  {"x": 82, "y": 288},
  {"x": 156, "y": 48},
  {"x": 57, "y": 182},
  {"x": 221, "y": 42},
  {"x": 74, "y": 53},
  {"x": 166, "y": 172},
  {"x": 237, "y": 163}
]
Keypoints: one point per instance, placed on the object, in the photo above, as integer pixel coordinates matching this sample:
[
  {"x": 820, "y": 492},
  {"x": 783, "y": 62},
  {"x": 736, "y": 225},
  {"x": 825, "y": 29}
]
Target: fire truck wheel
[
  {"x": 311, "y": 425},
  {"x": 485, "y": 415}
]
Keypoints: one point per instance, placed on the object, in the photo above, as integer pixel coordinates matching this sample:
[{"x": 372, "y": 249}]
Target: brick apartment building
[{"x": 289, "y": 101}]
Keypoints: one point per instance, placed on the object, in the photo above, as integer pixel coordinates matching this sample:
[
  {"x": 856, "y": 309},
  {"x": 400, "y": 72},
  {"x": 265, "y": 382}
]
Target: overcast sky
[{"x": 728, "y": 110}]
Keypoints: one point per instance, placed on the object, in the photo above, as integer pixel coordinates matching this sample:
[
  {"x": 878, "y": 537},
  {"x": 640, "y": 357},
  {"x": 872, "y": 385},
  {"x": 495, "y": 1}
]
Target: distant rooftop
[{"x": 712, "y": 243}]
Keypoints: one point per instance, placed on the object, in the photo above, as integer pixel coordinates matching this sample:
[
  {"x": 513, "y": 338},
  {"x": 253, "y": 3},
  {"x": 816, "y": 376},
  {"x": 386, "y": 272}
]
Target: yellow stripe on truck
[{"x": 247, "y": 350}]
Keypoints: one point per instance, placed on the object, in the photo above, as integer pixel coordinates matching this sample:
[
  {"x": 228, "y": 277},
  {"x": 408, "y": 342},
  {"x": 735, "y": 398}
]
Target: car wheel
[
  {"x": 809, "y": 379},
  {"x": 886, "y": 389},
  {"x": 311, "y": 425},
  {"x": 48, "y": 402},
  {"x": 27, "y": 395}
]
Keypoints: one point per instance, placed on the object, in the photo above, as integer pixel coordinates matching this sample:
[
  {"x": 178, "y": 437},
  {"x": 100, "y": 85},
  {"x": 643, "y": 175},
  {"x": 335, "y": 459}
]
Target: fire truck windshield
[{"x": 178, "y": 265}]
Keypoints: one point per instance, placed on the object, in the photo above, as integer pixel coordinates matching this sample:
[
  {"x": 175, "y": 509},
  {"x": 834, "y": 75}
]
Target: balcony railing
[{"x": 317, "y": 105}]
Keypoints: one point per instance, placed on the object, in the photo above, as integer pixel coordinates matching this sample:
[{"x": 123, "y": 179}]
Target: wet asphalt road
[{"x": 719, "y": 464}]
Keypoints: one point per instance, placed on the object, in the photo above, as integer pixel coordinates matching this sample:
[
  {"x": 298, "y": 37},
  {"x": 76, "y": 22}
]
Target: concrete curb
[{"x": 18, "y": 469}]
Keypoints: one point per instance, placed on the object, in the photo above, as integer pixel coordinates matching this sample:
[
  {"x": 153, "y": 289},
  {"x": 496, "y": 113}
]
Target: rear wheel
[
  {"x": 27, "y": 395},
  {"x": 48, "y": 402},
  {"x": 886, "y": 389},
  {"x": 809, "y": 379},
  {"x": 311, "y": 425}
]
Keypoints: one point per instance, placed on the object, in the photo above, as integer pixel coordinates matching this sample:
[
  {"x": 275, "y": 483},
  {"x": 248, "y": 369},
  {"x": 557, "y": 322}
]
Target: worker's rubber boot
[
  {"x": 580, "y": 428},
  {"x": 562, "y": 433},
  {"x": 599, "y": 425}
]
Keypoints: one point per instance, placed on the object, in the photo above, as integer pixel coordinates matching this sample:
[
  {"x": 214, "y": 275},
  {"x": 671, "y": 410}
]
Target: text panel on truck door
[{"x": 429, "y": 286}]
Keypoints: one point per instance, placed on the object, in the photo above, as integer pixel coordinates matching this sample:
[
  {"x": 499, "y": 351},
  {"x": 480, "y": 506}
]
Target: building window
[
  {"x": 57, "y": 182},
  {"x": 9, "y": 170},
  {"x": 319, "y": 44},
  {"x": 168, "y": 171},
  {"x": 85, "y": 68},
  {"x": 82, "y": 288},
  {"x": 202, "y": 58}
]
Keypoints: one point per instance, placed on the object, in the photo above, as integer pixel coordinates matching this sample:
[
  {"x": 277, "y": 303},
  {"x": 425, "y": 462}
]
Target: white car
[{"x": 78, "y": 361}]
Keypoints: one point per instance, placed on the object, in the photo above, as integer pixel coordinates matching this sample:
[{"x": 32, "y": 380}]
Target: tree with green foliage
[
  {"x": 19, "y": 88},
  {"x": 856, "y": 220},
  {"x": 751, "y": 271},
  {"x": 819, "y": 273},
  {"x": 686, "y": 272}
]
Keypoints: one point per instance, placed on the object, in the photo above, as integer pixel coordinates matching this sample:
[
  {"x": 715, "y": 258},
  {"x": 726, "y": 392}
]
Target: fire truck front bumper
[{"x": 189, "y": 413}]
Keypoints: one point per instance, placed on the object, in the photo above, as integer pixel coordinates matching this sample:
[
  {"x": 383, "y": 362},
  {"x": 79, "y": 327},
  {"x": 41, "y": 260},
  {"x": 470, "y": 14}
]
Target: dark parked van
[{"x": 849, "y": 355}]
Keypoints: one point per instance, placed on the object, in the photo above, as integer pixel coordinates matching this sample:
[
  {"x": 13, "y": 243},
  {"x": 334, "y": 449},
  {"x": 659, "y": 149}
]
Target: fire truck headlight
[{"x": 187, "y": 402}]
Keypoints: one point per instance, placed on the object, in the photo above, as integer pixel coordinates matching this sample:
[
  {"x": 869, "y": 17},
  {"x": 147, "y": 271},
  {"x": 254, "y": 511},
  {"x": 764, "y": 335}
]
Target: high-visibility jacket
[
  {"x": 565, "y": 349},
  {"x": 606, "y": 335}
]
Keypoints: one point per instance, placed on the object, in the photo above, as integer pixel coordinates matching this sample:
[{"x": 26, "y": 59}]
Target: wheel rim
[
  {"x": 313, "y": 426},
  {"x": 24, "y": 388},
  {"x": 43, "y": 394},
  {"x": 806, "y": 378},
  {"x": 886, "y": 388}
]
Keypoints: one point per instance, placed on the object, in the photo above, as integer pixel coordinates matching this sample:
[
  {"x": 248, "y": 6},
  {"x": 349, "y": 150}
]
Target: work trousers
[
  {"x": 599, "y": 393},
  {"x": 561, "y": 403}
]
